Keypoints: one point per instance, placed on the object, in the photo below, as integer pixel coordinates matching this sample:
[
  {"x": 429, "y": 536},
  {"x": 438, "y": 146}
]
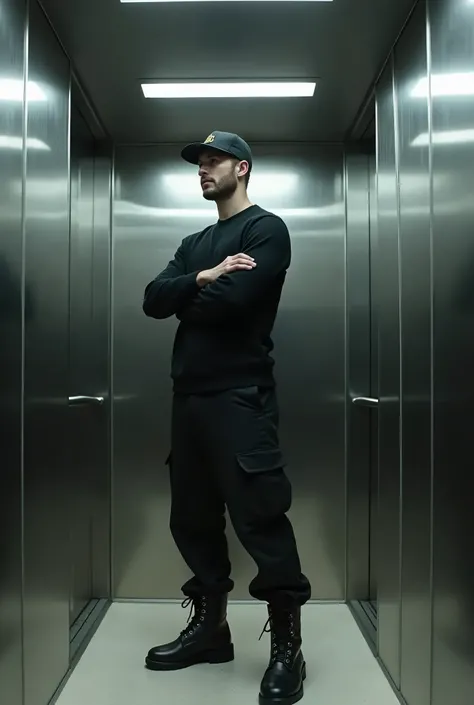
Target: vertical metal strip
[
  {"x": 400, "y": 351},
  {"x": 430, "y": 168},
  {"x": 111, "y": 372},
  {"x": 26, "y": 40},
  {"x": 68, "y": 343},
  {"x": 377, "y": 171},
  {"x": 346, "y": 380}
]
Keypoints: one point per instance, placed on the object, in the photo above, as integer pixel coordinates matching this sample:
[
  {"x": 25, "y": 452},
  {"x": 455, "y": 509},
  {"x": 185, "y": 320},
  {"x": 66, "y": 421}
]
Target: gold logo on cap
[{"x": 209, "y": 139}]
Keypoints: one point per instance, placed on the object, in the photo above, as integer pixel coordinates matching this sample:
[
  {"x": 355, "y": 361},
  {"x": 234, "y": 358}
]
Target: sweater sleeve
[
  {"x": 171, "y": 289},
  {"x": 268, "y": 242}
]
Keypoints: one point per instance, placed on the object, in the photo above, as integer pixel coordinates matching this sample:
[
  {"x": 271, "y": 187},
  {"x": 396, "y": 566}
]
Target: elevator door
[
  {"x": 362, "y": 281},
  {"x": 374, "y": 388},
  {"x": 84, "y": 406}
]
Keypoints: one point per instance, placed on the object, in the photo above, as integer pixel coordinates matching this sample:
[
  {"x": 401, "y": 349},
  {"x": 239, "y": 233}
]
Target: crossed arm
[{"x": 174, "y": 292}]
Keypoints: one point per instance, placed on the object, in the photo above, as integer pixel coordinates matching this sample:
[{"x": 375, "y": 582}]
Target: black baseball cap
[{"x": 225, "y": 142}]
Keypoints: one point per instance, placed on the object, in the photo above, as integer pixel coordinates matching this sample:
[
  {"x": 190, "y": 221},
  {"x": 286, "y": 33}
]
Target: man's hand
[{"x": 230, "y": 264}]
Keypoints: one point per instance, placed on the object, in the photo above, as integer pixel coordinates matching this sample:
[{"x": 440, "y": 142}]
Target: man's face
[{"x": 219, "y": 175}]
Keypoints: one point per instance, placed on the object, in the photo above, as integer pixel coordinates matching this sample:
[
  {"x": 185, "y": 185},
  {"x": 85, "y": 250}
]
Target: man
[{"x": 224, "y": 286}]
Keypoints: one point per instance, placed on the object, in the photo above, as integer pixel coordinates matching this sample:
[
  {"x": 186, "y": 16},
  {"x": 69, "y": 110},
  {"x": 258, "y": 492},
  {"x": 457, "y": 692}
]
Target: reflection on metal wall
[
  {"x": 388, "y": 550},
  {"x": 46, "y": 567},
  {"x": 452, "y": 88},
  {"x": 425, "y": 127},
  {"x": 47, "y": 533},
  {"x": 157, "y": 203},
  {"x": 11, "y": 160},
  {"x": 358, "y": 371},
  {"x": 88, "y": 462},
  {"x": 415, "y": 282}
]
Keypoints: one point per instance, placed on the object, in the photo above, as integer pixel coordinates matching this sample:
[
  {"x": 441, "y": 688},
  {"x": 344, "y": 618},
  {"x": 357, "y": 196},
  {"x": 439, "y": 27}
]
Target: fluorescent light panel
[
  {"x": 143, "y": 1},
  {"x": 229, "y": 89}
]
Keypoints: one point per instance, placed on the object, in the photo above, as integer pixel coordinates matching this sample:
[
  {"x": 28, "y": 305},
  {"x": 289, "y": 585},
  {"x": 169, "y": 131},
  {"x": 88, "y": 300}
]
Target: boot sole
[
  {"x": 286, "y": 701},
  {"x": 222, "y": 655}
]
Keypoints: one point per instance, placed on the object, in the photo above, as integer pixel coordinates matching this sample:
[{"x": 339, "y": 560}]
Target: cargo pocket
[{"x": 267, "y": 489}]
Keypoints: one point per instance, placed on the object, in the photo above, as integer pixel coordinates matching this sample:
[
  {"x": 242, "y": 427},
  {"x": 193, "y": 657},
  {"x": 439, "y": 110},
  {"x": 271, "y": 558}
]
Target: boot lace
[
  {"x": 282, "y": 638},
  {"x": 199, "y": 606}
]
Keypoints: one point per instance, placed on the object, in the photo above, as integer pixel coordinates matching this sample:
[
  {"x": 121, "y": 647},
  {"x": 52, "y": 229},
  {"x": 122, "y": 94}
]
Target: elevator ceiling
[{"x": 114, "y": 46}]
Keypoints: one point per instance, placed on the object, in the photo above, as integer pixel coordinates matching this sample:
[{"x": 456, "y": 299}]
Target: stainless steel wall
[
  {"x": 157, "y": 202},
  {"x": 410, "y": 65},
  {"x": 358, "y": 352},
  {"x": 425, "y": 128},
  {"x": 388, "y": 298},
  {"x": 12, "y": 29},
  {"x": 88, "y": 363},
  {"x": 46, "y": 566},
  {"x": 451, "y": 25},
  {"x": 38, "y": 489}
]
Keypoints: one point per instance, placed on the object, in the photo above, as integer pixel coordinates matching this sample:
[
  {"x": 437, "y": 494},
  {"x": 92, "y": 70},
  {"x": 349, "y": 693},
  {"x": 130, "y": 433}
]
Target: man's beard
[{"x": 222, "y": 191}]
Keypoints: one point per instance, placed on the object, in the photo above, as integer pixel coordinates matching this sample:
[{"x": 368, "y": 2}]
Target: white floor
[{"x": 341, "y": 667}]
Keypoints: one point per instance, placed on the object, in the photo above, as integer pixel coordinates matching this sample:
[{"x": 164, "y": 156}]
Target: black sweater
[{"x": 224, "y": 337}]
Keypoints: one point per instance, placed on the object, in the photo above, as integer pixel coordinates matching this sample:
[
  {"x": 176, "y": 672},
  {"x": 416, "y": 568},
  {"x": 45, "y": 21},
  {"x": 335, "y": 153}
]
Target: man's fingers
[
  {"x": 240, "y": 265},
  {"x": 241, "y": 256}
]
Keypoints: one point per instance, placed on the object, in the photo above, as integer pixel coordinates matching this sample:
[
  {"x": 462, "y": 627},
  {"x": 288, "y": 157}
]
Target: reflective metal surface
[
  {"x": 374, "y": 376},
  {"x": 12, "y": 27},
  {"x": 89, "y": 476},
  {"x": 358, "y": 305},
  {"x": 452, "y": 66},
  {"x": 415, "y": 311},
  {"x": 388, "y": 292},
  {"x": 157, "y": 203},
  {"x": 46, "y": 566}
]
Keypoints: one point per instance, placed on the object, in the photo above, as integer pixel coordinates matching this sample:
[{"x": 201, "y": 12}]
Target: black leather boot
[
  {"x": 206, "y": 639},
  {"x": 282, "y": 683}
]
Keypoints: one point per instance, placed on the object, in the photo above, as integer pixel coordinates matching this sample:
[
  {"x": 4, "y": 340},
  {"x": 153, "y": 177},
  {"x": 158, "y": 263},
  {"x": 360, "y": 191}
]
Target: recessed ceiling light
[
  {"x": 230, "y": 89},
  {"x": 142, "y": 1}
]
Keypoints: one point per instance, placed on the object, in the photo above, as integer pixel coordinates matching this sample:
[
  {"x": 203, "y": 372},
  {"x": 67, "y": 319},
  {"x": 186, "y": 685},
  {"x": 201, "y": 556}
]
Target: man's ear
[{"x": 243, "y": 168}]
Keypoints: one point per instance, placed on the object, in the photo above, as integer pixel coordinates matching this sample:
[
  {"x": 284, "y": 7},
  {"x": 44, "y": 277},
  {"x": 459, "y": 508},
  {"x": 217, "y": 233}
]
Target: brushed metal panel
[
  {"x": 100, "y": 372},
  {"x": 156, "y": 204},
  {"x": 452, "y": 60},
  {"x": 358, "y": 370},
  {"x": 415, "y": 266},
  {"x": 83, "y": 419},
  {"x": 374, "y": 379},
  {"x": 12, "y": 30},
  {"x": 388, "y": 554},
  {"x": 89, "y": 303},
  {"x": 46, "y": 566}
]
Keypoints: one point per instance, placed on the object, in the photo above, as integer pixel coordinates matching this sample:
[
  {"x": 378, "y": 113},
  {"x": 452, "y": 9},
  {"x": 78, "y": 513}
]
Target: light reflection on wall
[
  {"x": 12, "y": 90},
  {"x": 13, "y": 142},
  {"x": 444, "y": 85},
  {"x": 446, "y": 137},
  {"x": 262, "y": 186},
  {"x": 128, "y": 208}
]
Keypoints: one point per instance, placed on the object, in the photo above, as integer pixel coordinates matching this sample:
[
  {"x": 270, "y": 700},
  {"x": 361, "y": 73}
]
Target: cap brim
[{"x": 192, "y": 152}]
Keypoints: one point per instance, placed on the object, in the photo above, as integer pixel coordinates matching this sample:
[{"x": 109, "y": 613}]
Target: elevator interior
[{"x": 374, "y": 336}]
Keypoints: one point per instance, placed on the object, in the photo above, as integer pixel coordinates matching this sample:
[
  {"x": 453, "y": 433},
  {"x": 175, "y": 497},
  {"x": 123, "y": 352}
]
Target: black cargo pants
[{"x": 226, "y": 452}]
